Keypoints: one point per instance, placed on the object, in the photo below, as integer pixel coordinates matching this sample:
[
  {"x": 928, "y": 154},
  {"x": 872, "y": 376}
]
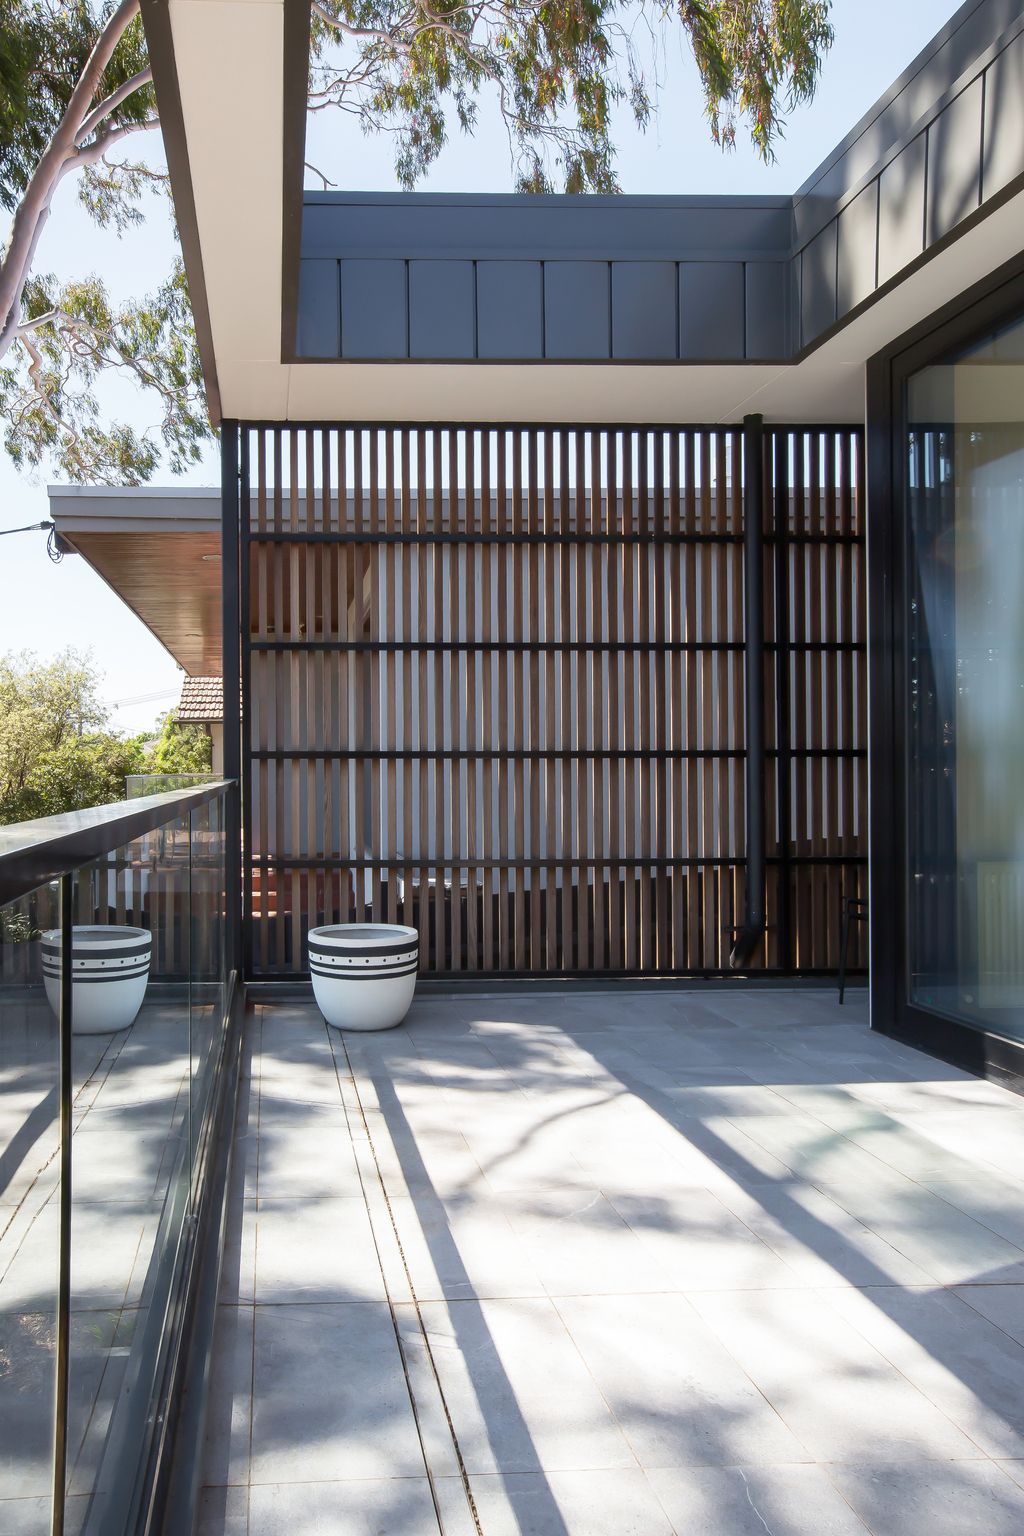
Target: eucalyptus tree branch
[
  {"x": 112, "y": 102},
  {"x": 89, "y": 154},
  {"x": 34, "y": 208}
]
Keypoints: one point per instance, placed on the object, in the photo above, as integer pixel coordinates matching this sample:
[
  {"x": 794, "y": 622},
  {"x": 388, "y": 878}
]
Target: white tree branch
[
  {"x": 34, "y": 207},
  {"x": 97, "y": 150}
]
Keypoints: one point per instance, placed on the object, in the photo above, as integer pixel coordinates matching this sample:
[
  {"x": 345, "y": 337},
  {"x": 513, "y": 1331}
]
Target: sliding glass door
[{"x": 963, "y": 685}]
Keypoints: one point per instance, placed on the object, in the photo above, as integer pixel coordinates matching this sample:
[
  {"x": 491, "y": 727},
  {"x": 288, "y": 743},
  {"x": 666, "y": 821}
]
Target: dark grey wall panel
[
  {"x": 510, "y": 309},
  {"x": 442, "y": 309},
  {"x": 818, "y": 284},
  {"x": 577, "y": 303},
  {"x": 1004, "y": 131},
  {"x": 712, "y": 321},
  {"x": 534, "y": 227},
  {"x": 961, "y": 45},
  {"x": 374, "y": 309},
  {"x": 319, "y": 319},
  {"x": 858, "y": 247},
  {"x": 901, "y": 210},
  {"x": 954, "y": 163},
  {"x": 656, "y": 278},
  {"x": 769, "y": 294},
  {"x": 644, "y": 309}
]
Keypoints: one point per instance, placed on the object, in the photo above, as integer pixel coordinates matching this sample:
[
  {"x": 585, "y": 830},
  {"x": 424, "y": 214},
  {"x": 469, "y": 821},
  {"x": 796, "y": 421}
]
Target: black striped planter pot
[
  {"x": 364, "y": 974},
  {"x": 110, "y": 970}
]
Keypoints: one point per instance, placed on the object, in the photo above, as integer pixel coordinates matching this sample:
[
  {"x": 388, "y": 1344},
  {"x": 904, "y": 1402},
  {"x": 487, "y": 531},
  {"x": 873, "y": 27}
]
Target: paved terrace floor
[{"x": 610, "y": 1264}]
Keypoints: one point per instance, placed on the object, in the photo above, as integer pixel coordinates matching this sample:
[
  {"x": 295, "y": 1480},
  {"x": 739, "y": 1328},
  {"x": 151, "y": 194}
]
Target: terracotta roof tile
[{"x": 202, "y": 700}]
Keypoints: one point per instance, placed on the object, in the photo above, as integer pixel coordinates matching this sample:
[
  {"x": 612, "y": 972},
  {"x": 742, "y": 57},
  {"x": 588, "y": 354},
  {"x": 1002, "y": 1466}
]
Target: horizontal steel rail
[{"x": 32, "y": 853}]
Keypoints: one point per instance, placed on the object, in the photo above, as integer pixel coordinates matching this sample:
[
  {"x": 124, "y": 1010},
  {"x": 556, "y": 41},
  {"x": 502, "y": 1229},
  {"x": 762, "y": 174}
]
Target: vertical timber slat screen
[{"x": 494, "y": 688}]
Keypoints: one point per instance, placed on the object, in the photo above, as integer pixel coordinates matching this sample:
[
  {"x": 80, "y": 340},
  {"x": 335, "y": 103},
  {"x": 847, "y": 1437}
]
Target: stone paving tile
[
  {"x": 328, "y": 1392},
  {"x": 395, "y": 1506},
  {"x": 223, "y": 1512},
  {"x": 520, "y": 1397},
  {"x": 839, "y": 1395},
  {"x": 676, "y": 1391},
  {"x": 961, "y": 1499},
  {"x": 749, "y": 1500},
  {"x": 620, "y": 1503},
  {"x": 316, "y": 1250},
  {"x": 962, "y": 1363},
  {"x": 226, "y": 1452},
  {"x": 677, "y": 1261}
]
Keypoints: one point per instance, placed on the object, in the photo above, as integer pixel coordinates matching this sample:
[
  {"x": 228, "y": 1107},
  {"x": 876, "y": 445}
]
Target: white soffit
[{"x": 229, "y": 59}]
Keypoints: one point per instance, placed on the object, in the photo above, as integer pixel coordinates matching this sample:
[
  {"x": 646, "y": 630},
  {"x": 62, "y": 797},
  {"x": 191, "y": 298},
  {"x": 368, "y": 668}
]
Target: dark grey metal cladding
[
  {"x": 948, "y": 136},
  {"x": 954, "y": 162},
  {"x": 510, "y": 309},
  {"x": 974, "y": 35},
  {"x": 442, "y": 309},
  {"x": 770, "y": 303},
  {"x": 901, "y": 194},
  {"x": 643, "y": 309},
  {"x": 319, "y": 324},
  {"x": 526, "y": 227},
  {"x": 857, "y": 254},
  {"x": 533, "y": 278},
  {"x": 713, "y": 310},
  {"x": 1003, "y": 138},
  {"x": 818, "y": 282},
  {"x": 648, "y": 279},
  {"x": 577, "y": 309},
  {"x": 374, "y": 309}
]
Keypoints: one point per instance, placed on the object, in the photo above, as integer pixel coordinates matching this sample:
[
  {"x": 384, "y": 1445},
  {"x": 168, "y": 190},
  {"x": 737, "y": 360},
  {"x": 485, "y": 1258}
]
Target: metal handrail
[{"x": 35, "y": 852}]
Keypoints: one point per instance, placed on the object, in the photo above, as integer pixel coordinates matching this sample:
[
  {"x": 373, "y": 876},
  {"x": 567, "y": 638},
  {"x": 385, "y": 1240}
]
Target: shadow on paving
[{"x": 454, "y": 1056}]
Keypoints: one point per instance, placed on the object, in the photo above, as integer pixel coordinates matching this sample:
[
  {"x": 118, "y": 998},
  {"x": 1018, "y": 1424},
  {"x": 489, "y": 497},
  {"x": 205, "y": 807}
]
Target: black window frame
[{"x": 986, "y": 307}]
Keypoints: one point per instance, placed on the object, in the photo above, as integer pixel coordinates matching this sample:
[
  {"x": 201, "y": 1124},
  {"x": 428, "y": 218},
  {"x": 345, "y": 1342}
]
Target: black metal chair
[{"x": 854, "y": 910}]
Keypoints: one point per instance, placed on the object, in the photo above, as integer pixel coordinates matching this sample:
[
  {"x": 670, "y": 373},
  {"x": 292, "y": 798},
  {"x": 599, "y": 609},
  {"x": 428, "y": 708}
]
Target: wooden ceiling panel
[{"x": 171, "y": 581}]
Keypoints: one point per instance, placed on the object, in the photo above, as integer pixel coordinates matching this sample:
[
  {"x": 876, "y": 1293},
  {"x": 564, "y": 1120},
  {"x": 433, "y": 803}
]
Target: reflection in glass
[
  {"x": 965, "y": 678},
  {"x": 29, "y": 1215},
  {"x": 130, "y": 1171}
]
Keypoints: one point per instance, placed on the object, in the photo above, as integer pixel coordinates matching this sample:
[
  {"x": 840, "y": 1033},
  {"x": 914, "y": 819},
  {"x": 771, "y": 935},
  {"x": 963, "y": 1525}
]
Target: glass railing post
[{"x": 60, "y": 1435}]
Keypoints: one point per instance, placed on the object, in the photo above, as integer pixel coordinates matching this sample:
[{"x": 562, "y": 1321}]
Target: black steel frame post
[
  {"x": 751, "y": 933},
  {"x": 245, "y": 744},
  {"x": 783, "y": 641},
  {"x": 231, "y": 651},
  {"x": 63, "y": 1363}
]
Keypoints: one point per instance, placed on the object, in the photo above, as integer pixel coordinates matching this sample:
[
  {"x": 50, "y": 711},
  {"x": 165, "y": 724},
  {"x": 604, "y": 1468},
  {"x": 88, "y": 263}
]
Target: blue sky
[{"x": 47, "y": 607}]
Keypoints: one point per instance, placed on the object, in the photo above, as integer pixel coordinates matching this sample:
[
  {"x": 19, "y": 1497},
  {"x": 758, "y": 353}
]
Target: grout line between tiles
[{"x": 396, "y": 1324}]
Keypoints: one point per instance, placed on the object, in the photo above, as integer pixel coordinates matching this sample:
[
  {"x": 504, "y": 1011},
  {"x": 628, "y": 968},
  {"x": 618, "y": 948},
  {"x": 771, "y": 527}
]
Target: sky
[{"x": 45, "y": 608}]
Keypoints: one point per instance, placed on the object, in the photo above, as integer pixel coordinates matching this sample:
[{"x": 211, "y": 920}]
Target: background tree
[
  {"x": 76, "y": 91},
  {"x": 179, "y": 748},
  {"x": 57, "y": 752}
]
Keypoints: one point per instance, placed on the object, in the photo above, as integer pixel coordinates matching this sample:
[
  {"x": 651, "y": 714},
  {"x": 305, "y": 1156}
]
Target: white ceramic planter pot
[
  {"x": 110, "y": 970},
  {"x": 364, "y": 974}
]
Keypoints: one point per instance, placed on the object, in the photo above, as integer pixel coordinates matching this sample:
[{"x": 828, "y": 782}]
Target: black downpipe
[{"x": 750, "y": 934}]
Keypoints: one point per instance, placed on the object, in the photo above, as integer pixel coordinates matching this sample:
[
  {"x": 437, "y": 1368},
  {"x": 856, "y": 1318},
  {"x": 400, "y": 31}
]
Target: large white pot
[
  {"x": 364, "y": 974},
  {"x": 110, "y": 970}
]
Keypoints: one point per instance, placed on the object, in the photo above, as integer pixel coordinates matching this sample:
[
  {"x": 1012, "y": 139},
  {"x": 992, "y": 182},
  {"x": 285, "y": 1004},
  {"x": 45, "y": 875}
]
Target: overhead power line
[{"x": 54, "y": 544}]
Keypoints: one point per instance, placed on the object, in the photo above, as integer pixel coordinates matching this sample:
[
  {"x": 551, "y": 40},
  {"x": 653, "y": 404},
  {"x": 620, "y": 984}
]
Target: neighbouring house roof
[
  {"x": 202, "y": 701},
  {"x": 344, "y": 306}
]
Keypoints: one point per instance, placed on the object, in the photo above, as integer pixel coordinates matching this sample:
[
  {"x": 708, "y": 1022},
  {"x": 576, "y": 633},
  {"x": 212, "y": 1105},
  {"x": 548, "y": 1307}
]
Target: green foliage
[
  {"x": 49, "y": 390},
  {"x": 180, "y": 748},
  {"x": 557, "y": 70},
  {"x": 55, "y": 753},
  {"x": 44, "y": 45},
  {"x": 81, "y": 771}
]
